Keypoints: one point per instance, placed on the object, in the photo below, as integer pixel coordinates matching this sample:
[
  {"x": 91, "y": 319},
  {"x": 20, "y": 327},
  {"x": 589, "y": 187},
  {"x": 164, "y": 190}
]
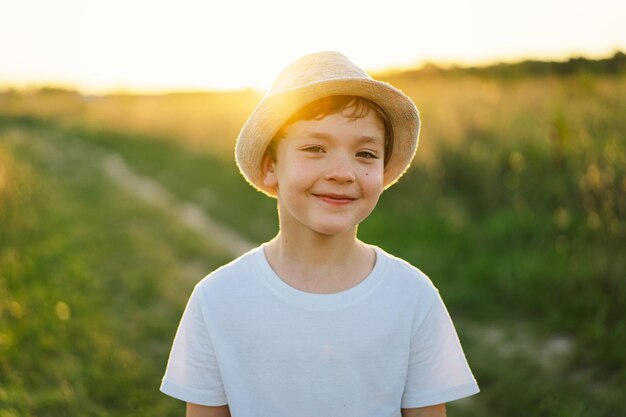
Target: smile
[{"x": 335, "y": 199}]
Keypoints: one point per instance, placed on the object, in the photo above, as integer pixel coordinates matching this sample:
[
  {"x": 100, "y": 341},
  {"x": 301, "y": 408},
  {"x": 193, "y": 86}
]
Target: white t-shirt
[{"x": 250, "y": 340}]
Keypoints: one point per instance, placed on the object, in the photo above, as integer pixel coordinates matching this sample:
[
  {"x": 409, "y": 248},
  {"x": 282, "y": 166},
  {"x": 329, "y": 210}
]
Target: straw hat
[{"x": 313, "y": 77}]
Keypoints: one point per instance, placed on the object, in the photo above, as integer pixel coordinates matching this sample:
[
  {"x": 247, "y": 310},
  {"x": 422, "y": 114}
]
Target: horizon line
[{"x": 444, "y": 65}]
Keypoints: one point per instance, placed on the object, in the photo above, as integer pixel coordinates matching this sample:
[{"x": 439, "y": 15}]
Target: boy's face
[{"x": 328, "y": 173}]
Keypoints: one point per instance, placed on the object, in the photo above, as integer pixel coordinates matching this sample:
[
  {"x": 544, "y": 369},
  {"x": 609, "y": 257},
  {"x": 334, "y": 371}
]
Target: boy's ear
[{"x": 268, "y": 167}]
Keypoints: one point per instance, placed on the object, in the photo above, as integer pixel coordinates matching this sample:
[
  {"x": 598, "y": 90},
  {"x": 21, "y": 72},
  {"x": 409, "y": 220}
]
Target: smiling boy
[{"x": 316, "y": 322}]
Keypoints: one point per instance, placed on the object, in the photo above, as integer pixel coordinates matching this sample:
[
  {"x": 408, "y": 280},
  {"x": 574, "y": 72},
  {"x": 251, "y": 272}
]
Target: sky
[{"x": 155, "y": 45}]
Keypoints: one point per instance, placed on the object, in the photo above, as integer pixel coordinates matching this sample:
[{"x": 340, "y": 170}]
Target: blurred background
[{"x": 118, "y": 188}]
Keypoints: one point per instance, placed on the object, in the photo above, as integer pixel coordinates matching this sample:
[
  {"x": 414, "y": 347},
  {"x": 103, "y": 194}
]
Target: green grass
[{"x": 90, "y": 290}]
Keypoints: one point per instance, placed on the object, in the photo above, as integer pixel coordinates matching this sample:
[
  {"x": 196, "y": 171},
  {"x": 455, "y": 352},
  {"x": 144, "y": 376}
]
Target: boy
[{"x": 316, "y": 322}]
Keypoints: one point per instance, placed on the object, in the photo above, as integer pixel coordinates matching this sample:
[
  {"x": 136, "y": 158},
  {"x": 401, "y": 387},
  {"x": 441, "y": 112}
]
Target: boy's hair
[{"x": 358, "y": 108}]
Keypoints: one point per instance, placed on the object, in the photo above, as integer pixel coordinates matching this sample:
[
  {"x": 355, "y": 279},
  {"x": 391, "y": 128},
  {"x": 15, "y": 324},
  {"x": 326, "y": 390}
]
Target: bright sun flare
[{"x": 195, "y": 44}]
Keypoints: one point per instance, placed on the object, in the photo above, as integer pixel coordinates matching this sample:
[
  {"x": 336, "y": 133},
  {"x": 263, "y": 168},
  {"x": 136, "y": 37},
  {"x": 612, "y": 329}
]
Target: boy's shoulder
[
  {"x": 231, "y": 274},
  {"x": 405, "y": 275}
]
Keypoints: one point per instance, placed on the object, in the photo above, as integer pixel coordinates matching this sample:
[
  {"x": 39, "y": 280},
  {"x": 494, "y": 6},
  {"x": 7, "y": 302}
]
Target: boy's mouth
[{"x": 335, "y": 199}]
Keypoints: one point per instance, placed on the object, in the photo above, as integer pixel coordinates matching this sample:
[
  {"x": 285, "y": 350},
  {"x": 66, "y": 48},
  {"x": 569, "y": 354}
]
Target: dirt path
[
  {"x": 188, "y": 214},
  {"x": 143, "y": 188}
]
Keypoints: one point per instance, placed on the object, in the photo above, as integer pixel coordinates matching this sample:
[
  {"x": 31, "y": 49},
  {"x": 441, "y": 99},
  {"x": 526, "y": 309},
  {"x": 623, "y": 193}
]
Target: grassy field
[
  {"x": 515, "y": 207},
  {"x": 91, "y": 282}
]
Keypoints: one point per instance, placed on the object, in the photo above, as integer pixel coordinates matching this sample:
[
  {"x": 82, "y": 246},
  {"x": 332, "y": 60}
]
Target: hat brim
[{"x": 274, "y": 110}]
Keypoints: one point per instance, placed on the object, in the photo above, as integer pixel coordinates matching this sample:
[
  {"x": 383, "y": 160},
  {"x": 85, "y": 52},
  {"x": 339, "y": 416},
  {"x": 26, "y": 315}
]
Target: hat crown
[{"x": 313, "y": 68}]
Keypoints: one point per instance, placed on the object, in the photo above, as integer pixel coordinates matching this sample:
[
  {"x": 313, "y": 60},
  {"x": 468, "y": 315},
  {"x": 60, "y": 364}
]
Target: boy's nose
[{"x": 340, "y": 170}]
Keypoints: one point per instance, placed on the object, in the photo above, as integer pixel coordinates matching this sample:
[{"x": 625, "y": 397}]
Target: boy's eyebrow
[
  {"x": 364, "y": 138},
  {"x": 319, "y": 135},
  {"x": 373, "y": 139}
]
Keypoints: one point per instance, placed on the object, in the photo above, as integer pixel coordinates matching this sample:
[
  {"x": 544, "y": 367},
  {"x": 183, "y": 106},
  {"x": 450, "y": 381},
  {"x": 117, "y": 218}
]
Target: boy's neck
[{"x": 319, "y": 263}]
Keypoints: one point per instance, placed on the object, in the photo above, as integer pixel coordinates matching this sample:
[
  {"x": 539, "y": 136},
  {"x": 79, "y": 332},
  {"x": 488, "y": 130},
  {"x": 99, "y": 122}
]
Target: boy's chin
[{"x": 336, "y": 231}]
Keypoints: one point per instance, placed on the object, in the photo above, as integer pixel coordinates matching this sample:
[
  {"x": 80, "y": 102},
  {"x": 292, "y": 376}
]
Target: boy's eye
[
  {"x": 366, "y": 155},
  {"x": 315, "y": 149}
]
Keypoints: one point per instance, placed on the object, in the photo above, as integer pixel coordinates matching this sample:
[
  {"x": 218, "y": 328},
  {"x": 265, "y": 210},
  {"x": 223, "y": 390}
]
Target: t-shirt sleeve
[
  {"x": 192, "y": 373},
  {"x": 438, "y": 371}
]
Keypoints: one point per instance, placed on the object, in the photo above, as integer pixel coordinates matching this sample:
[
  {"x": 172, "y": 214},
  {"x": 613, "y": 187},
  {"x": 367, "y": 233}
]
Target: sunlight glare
[{"x": 194, "y": 44}]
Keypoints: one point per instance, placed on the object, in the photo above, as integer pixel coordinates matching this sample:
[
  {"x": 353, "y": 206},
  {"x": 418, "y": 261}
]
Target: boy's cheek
[{"x": 375, "y": 176}]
